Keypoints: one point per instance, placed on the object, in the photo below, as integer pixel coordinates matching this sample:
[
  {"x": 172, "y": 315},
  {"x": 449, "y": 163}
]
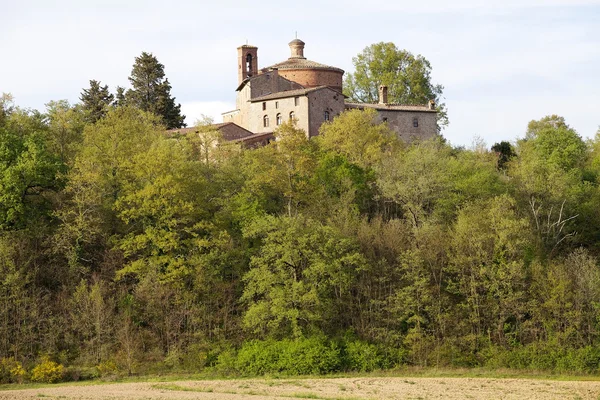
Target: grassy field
[{"x": 417, "y": 384}]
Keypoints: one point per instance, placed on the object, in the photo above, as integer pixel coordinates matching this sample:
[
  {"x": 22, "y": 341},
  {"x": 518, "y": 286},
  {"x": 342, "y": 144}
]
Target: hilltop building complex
[{"x": 308, "y": 93}]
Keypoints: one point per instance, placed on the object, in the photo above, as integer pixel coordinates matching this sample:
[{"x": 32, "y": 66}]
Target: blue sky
[{"x": 501, "y": 65}]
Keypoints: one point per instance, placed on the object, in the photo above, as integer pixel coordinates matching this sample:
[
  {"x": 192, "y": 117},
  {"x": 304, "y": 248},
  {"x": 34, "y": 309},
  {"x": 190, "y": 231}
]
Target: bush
[
  {"x": 314, "y": 355},
  {"x": 547, "y": 357},
  {"x": 11, "y": 371},
  {"x": 363, "y": 357},
  {"x": 258, "y": 357},
  {"x": 107, "y": 368},
  {"x": 47, "y": 371}
]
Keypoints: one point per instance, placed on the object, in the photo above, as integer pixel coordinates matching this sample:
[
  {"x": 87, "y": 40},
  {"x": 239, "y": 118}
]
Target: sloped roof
[
  {"x": 261, "y": 75},
  {"x": 291, "y": 93},
  {"x": 229, "y": 130},
  {"x": 391, "y": 107},
  {"x": 303, "y": 63}
]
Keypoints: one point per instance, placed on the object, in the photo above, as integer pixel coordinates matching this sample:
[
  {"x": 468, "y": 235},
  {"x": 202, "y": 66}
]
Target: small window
[
  {"x": 278, "y": 119},
  {"x": 264, "y": 105},
  {"x": 266, "y": 121},
  {"x": 276, "y": 104},
  {"x": 326, "y": 116},
  {"x": 292, "y": 116},
  {"x": 296, "y": 101},
  {"x": 416, "y": 122},
  {"x": 384, "y": 119}
]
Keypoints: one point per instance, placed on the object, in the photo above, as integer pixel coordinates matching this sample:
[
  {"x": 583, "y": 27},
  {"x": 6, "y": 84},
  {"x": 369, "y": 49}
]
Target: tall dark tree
[
  {"x": 504, "y": 151},
  {"x": 152, "y": 91},
  {"x": 96, "y": 101}
]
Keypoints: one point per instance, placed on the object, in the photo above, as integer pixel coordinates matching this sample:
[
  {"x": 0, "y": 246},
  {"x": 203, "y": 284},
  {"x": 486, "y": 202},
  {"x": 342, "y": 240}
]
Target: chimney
[
  {"x": 431, "y": 104},
  {"x": 383, "y": 91},
  {"x": 297, "y": 48}
]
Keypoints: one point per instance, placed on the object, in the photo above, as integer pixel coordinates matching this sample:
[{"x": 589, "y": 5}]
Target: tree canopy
[
  {"x": 125, "y": 250},
  {"x": 151, "y": 91},
  {"x": 96, "y": 100},
  {"x": 408, "y": 78}
]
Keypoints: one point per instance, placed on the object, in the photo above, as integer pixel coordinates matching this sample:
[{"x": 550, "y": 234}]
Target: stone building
[{"x": 310, "y": 94}]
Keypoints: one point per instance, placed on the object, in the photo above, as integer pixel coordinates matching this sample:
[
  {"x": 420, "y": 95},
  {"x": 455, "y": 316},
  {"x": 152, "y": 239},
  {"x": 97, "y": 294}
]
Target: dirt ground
[{"x": 338, "y": 389}]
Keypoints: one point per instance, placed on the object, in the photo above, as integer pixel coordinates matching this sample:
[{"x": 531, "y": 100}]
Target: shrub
[
  {"x": 258, "y": 357},
  {"x": 107, "y": 368},
  {"x": 11, "y": 371},
  {"x": 47, "y": 371},
  {"x": 315, "y": 355},
  {"x": 363, "y": 357}
]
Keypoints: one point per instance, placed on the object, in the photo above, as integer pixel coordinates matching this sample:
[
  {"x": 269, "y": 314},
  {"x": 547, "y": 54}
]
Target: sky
[{"x": 501, "y": 65}]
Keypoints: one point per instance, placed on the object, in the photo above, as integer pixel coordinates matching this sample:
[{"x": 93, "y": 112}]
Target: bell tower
[{"x": 247, "y": 62}]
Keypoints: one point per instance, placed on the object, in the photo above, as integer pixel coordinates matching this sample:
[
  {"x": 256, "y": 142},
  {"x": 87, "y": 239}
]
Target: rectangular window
[
  {"x": 296, "y": 101},
  {"x": 264, "y": 105},
  {"x": 276, "y": 104},
  {"x": 416, "y": 122}
]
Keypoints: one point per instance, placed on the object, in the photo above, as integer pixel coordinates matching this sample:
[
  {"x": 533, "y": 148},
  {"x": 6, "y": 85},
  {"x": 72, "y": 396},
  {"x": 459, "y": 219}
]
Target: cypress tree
[
  {"x": 152, "y": 91},
  {"x": 96, "y": 100}
]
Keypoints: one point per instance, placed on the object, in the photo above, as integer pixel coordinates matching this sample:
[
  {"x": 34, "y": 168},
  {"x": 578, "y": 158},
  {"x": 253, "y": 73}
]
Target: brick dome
[{"x": 306, "y": 72}]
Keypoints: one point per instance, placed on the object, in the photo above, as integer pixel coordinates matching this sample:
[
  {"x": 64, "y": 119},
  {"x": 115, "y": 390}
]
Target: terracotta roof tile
[
  {"x": 390, "y": 107},
  {"x": 303, "y": 63},
  {"x": 289, "y": 93}
]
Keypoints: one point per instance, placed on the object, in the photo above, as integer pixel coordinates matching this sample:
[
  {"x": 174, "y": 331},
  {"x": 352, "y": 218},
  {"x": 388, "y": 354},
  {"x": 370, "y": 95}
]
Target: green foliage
[
  {"x": 126, "y": 250},
  {"x": 363, "y": 357},
  {"x": 96, "y": 101},
  {"x": 29, "y": 172},
  {"x": 314, "y": 355},
  {"x": 356, "y": 135},
  {"x": 408, "y": 78},
  {"x": 299, "y": 278},
  {"x": 47, "y": 371},
  {"x": 549, "y": 357},
  {"x": 11, "y": 371},
  {"x": 151, "y": 91}
]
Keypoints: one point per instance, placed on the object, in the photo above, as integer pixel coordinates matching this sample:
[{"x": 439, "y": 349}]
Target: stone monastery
[{"x": 308, "y": 93}]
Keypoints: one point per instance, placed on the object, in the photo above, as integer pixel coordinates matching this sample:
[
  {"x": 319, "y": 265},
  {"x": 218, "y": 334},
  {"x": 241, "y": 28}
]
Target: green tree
[
  {"x": 29, "y": 172},
  {"x": 549, "y": 174},
  {"x": 408, "y": 78},
  {"x": 65, "y": 129},
  {"x": 95, "y": 101},
  {"x": 299, "y": 279},
  {"x": 356, "y": 135},
  {"x": 152, "y": 91}
]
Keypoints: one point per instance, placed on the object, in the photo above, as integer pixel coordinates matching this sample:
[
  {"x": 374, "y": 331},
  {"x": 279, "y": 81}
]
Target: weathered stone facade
[{"x": 309, "y": 93}]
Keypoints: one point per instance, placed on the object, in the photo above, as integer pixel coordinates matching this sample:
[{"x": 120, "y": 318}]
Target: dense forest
[{"x": 126, "y": 249}]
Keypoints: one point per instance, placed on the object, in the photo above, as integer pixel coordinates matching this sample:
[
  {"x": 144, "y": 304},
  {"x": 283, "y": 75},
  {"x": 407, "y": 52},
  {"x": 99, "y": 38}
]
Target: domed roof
[
  {"x": 298, "y": 61},
  {"x": 296, "y": 41},
  {"x": 303, "y": 63}
]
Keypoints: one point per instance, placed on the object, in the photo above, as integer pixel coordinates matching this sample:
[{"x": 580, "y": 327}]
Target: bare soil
[{"x": 330, "y": 389}]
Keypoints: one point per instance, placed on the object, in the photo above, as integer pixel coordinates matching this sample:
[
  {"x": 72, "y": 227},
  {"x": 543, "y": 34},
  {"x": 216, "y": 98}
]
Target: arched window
[
  {"x": 278, "y": 119},
  {"x": 249, "y": 64},
  {"x": 326, "y": 115},
  {"x": 266, "y": 121},
  {"x": 292, "y": 116}
]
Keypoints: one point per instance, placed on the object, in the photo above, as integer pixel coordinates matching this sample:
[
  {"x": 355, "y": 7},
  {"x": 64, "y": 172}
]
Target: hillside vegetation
[{"x": 126, "y": 250}]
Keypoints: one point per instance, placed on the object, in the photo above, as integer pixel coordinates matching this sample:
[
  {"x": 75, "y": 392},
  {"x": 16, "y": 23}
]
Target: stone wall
[
  {"x": 321, "y": 101},
  {"x": 283, "y": 107},
  {"x": 401, "y": 122}
]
